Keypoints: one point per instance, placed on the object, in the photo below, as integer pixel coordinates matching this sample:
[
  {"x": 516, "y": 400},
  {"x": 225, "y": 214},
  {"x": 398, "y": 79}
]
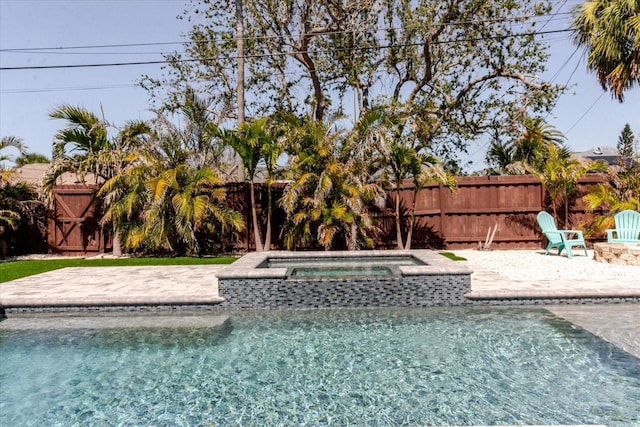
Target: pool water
[
  {"x": 342, "y": 271},
  {"x": 341, "y": 266},
  {"x": 439, "y": 366}
]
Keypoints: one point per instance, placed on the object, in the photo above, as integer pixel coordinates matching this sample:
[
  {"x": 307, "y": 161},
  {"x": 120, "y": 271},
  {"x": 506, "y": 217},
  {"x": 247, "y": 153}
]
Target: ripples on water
[{"x": 351, "y": 367}]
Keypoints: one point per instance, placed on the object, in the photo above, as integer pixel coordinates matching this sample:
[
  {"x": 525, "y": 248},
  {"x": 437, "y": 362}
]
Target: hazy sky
[{"x": 586, "y": 115}]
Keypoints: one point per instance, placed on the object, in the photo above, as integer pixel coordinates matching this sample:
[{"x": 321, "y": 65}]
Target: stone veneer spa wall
[{"x": 435, "y": 281}]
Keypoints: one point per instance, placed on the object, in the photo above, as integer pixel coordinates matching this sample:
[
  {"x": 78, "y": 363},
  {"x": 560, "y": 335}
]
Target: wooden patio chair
[
  {"x": 561, "y": 239},
  {"x": 627, "y": 228}
]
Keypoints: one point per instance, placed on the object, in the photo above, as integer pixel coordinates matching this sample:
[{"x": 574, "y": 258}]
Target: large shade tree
[
  {"x": 609, "y": 31},
  {"x": 458, "y": 67}
]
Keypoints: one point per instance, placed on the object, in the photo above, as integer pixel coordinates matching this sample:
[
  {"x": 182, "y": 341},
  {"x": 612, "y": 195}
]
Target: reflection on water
[{"x": 441, "y": 366}]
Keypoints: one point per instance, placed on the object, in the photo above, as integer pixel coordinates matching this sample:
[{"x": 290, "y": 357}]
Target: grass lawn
[
  {"x": 452, "y": 256},
  {"x": 10, "y": 270}
]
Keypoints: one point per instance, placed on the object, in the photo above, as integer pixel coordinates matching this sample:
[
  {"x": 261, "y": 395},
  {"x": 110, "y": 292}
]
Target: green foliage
[
  {"x": 531, "y": 148},
  {"x": 625, "y": 144},
  {"x": 31, "y": 158},
  {"x": 609, "y": 31},
  {"x": 10, "y": 142},
  {"x": 620, "y": 191},
  {"x": 459, "y": 69},
  {"x": 165, "y": 198},
  {"x": 20, "y": 209},
  {"x": 327, "y": 200},
  {"x": 559, "y": 175}
]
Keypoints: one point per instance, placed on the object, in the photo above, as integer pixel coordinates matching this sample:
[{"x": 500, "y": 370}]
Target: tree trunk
[
  {"x": 267, "y": 237},
  {"x": 115, "y": 242},
  {"x": 254, "y": 218},
  {"x": 412, "y": 219},
  {"x": 399, "y": 243}
]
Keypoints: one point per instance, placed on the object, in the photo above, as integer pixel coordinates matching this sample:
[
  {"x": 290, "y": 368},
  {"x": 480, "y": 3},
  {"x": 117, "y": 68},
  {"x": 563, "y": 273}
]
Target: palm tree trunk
[
  {"x": 117, "y": 247},
  {"x": 254, "y": 218},
  {"x": 267, "y": 237},
  {"x": 412, "y": 219},
  {"x": 399, "y": 243}
]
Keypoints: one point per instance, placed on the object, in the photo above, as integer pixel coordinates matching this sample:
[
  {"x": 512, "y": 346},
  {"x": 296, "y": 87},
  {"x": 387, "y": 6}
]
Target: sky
[{"x": 586, "y": 115}]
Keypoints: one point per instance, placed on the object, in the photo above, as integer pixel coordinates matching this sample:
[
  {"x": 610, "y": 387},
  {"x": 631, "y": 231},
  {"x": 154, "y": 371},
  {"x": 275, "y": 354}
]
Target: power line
[
  {"x": 516, "y": 19},
  {"x": 585, "y": 113},
  {"x": 276, "y": 54},
  {"x": 65, "y": 89}
]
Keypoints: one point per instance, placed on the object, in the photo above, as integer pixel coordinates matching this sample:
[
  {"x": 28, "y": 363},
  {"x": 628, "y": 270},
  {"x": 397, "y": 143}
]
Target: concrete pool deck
[
  {"x": 188, "y": 286},
  {"x": 197, "y": 284}
]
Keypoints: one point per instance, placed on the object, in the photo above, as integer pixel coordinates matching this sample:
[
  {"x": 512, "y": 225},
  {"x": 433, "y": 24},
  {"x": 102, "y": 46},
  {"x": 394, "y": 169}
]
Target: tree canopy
[{"x": 458, "y": 68}]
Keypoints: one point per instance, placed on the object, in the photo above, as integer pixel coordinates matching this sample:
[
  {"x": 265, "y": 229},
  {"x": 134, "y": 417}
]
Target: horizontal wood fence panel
[{"x": 444, "y": 218}]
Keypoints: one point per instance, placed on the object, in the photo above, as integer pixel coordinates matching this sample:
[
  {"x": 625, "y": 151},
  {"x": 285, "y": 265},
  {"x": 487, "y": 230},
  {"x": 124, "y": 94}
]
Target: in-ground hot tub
[{"x": 417, "y": 278}]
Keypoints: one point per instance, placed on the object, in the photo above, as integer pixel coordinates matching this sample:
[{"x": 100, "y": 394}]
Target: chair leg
[{"x": 569, "y": 254}]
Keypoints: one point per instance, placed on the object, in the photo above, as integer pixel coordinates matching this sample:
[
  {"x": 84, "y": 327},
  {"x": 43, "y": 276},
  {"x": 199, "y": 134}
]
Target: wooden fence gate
[{"x": 74, "y": 227}]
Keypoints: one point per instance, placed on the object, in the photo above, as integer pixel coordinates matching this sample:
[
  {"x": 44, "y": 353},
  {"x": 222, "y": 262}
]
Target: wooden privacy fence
[
  {"x": 461, "y": 219},
  {"x": 444, "y": 219}
]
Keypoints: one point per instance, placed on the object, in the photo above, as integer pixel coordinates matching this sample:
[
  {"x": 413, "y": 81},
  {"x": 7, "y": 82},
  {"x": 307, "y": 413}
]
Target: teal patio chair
[
  {"x": 627, "y": 228},
  {"x": 561, "y": 239}
]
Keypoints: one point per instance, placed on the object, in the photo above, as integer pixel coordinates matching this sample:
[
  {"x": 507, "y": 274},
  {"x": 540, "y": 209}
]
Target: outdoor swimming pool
[{"x": 437, "y": 366}]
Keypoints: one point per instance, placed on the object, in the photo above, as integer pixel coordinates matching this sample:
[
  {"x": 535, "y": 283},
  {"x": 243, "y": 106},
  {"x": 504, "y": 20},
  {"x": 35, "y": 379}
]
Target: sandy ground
[{"x": 534, "y": 265}]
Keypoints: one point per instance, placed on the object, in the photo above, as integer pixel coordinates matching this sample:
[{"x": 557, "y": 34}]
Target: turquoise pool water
[
  {"x": 370, "y": 367},
  {"x": 341, "y": 266}
]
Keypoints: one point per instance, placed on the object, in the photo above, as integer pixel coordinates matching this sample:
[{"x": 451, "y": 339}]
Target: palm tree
[
  {"x": 499, "y": 156},
  {"x": 11, "y": 141},
  {"x": 9, "y": 211},
  {"x": 247, "y": 141},
  {"x": 532, "y": 146},
  {"x": 164, "y": 198},
  {"x": 84, "y": 147},
  {"x": 559, "y": 175},
  {"x": 31, "y": 158},
  {"x": 327, "y": 200},
  {"x": 609, "y": 30},
  {"x": 620, "y": 191},
  {"x": 398, "y": 157}
]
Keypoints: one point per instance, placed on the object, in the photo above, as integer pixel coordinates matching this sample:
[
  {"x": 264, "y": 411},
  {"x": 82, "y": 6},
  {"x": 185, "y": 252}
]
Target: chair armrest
[{"x": 578, "y": 234}]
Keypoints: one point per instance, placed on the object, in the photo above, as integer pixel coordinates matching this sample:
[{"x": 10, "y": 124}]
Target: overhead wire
[
  {"x": 521, "y": 18},
  {"x": 276, "y": 54}
]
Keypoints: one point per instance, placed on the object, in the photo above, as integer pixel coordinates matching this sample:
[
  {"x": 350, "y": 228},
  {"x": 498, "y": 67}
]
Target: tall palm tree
[
  {"x": 609, "y": 30},
  {"x": 532, "y": 146},
  {"x": 398, "y": 157},
  {"x": 247, "y": 141}
]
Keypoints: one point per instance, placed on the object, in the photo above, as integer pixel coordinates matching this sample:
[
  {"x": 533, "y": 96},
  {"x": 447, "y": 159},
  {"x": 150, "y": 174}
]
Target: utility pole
[{"x": 240, "y": 55}]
